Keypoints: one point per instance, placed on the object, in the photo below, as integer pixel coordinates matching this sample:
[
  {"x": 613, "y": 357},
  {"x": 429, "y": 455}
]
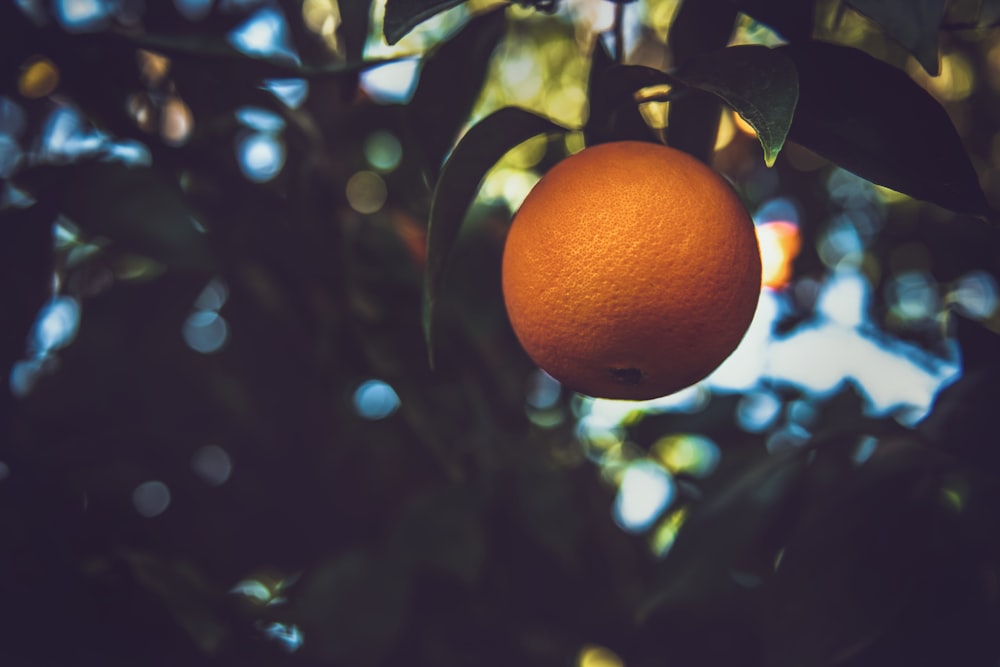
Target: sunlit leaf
[
  {"x": 759, "y": 83},
  {"x": 481, "y": 147},
  {"x": 873, "y": 120},
  {"x": 450, "y": 80},
  {"x": 133, "y": 206},
  {"x": 402, "y": 16},
  {"x": 914, "y": 25}
]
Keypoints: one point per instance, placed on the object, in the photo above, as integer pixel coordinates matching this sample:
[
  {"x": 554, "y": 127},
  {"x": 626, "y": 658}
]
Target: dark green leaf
[
  {"x": 698, "y": 29},
  {"x": 192, "y": 600},
  {"x": 614, "y": 113},
  {"x": 730, "y": 527},
  {"x": 354, "y": 21},
  {"x": 914, "y": 25},
  {"x": 450, "y": 80},
  {"x": 442, "y": 530},
  {"x": 211, "y": 48},
  {"x": 481, "y": 147},
  {"x": 402, "y": 16},
  {"x": 792, "y": 19},
  {"x": 759, "y": 83},
  {"x": 873, "y": 120},
  {"x": 133, "y": 206},
  {"x": 354, "y": 607}
]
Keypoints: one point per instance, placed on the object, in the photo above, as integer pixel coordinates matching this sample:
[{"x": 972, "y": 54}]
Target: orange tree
[{"x": 223, "y": 267}]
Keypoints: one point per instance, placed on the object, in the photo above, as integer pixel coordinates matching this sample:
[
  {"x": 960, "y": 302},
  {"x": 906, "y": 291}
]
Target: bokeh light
[
  {"x": 392, "y": 83},
  {"x": 688, "y": 454},
  {"x": 151, "y": 499},
  {"x": 260, "y": 120},
  {"x": 598, "y": 656},
  {"x": 383, "y": 151},
  {"x": 779, "y": 246},
  {"x": 646, "y": 489},
  {"x": 4, "y": 470},
  {"x": 264, "y": 34},
  {"x": 83, "y": 15},
  {"x": 375, "y": 400},
  {"x": 39, "y": 78},
  {"x": 56, "y": 325},
  {"x": 366, "y": 192},
  {"x": 288, "y": 635},
  {"x": 975, "y": 295},
  {"x": 212, "y": 464},
  {"x": 261, "y": 156},
  {"x": 205, "y": 331},
  {"x": 291, "y": 92}
]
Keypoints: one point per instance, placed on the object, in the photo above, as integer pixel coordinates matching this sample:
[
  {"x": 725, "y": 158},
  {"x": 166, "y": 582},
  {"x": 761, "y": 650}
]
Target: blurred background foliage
[{"x": 223, "y": 442}]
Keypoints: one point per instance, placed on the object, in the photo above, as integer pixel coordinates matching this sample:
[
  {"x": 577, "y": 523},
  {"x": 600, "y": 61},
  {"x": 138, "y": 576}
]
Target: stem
[{"x": 620, "y": 33}]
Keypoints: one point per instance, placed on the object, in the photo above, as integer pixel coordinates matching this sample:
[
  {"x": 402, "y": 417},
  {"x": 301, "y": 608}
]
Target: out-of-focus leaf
[
  {"x": 875, "y": 121},
  {"x": 726, "y": 529},
  {"x": 354, "y": 21},
  {"x": 914, "y": 25},
  {"x": 614, "y": 113},
  {"x": 190, "y": 597},
  {"x": 792, "y": 19},
  {"x": 354, "y": 607},
  {"x": 402, "y": 16},
  {"x": 546, "y": 506},
  {"x": 481, "y": 147},
  {"x": 450, "y": 80},
  {"x": 25, "y": 275},
  {"x": 133, "y": 206},
  {"x": 760, "y": 84},
  {"x": 442, "y": 530},
  {"x": 214, "y": 48}
]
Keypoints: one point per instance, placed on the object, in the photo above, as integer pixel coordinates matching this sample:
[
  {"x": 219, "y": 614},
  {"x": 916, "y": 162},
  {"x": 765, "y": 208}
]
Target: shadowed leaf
[
  {"x": 133, "y": 206},
  {"x": 402, "y": 16},
  {"x": 481, "y": 147},
  {"x": 759, "y": 83},
  {"x": 873, "y": 120},
  {"x": 914, "y": 25},
  {"x": 792, "y": 19},
  {"x": 614, "y": 114},
  {"x": 450, "y": 80}
]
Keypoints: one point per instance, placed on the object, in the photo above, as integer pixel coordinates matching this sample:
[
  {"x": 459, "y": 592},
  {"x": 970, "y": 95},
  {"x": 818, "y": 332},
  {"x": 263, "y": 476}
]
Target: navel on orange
[{"x": 631, "y": 271}]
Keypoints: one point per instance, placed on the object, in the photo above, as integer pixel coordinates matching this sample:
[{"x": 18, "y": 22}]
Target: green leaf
[
  {"x": 614, "y": 114},
  {"x": 735, "y": 525},
  {"x": 354, "y": 607},
  {"x": 760, "y": 84},
  {"x": 443, "y": 530},
  {"x": 450, "y": 80},
  {"x": 913, "y": 25},
  {"x": 875, "y": 121},
  {"x": 481, "y": 147},
  {"x": 134, "y": 206},
  {"x": 792, "y": 19},
  {"x": 215, "y": 49},
  {"x": 402, "y": 16}
]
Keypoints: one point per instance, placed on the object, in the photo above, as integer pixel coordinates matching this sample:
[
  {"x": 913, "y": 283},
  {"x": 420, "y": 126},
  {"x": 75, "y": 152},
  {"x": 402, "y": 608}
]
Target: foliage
[{"x": 463, "y": 525}]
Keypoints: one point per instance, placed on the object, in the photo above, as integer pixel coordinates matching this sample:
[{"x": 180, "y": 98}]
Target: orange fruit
[{"x": 631, "y": 271}]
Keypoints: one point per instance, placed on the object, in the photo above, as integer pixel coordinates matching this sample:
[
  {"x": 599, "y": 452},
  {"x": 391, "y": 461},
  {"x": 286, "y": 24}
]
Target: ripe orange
[{"x": 631, "y": 271}]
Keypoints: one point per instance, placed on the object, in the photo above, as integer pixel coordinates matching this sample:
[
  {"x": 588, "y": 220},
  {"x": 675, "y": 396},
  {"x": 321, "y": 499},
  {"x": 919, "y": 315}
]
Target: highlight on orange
[{"x": 779, "y": 243}]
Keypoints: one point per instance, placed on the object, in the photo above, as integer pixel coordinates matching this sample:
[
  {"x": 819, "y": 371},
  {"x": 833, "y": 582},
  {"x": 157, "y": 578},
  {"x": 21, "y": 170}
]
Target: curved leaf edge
[{"x": 479, "y": 149}]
